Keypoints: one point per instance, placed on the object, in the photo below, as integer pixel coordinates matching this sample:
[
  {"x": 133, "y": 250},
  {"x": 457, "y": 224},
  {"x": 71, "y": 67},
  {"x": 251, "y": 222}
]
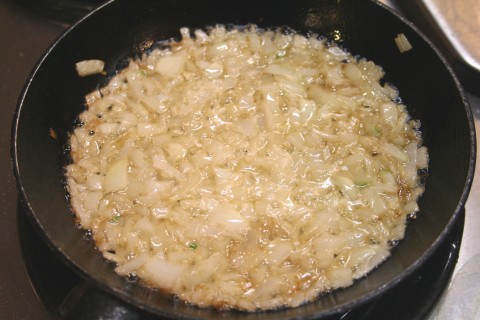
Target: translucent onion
[{"x": 246, "y": 168}]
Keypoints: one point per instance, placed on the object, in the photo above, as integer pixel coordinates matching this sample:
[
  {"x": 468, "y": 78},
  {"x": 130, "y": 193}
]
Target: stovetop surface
[{"x": 25, "y": 35}]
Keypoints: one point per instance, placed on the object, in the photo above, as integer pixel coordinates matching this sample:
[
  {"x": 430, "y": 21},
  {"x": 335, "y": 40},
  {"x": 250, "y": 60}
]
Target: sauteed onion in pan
[{"x": 245, "y": 168}]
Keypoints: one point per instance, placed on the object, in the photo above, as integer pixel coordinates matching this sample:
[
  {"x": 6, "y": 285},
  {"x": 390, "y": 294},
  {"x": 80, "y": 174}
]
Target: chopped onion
[
  {"x": 162, "y": 272},
  {"x": 116, "y": 178},
  {"x": 89, "y": 67},
  {"x": 159, "y": 162},
  {"x": 132, "y": 265},
  {"x": 246, "y": 168},
  {"x": 171, "y": 65},
  {"x": 340, "y": 277},
  {"x": 228, "y": 218}
]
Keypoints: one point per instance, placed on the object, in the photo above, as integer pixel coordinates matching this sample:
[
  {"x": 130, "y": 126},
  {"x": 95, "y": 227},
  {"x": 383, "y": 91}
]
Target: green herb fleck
[
  {"x": 192, "y": 245},
  {"x": 281, "y": 53},
  {"x": 361, "y": 184},
  {"x": 115, "y": 219}
]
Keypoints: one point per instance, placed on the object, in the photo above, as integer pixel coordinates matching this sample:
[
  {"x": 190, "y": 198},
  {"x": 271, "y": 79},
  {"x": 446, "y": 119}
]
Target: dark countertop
[{"x": 24, "y": 37}]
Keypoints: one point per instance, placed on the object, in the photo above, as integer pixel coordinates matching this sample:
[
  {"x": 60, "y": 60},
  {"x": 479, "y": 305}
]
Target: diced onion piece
[
  {"x": 402, "y": 43},
  {"x": 89, "y": 67},
  {"x": 185, "y": 32},
  {"x": 213, "y": 70},
  {"x": 160, "y": 163},
  {"x": 116, "y": 178},
  {"x": 268, "y": 289},
  {"x": 108, "y": 128},
  {"x": 164, "y": 273},
  {"x": 393, "y": 151},
  {"x": 279, "y": 251},
  {"x": 411, "y": 207},
  {"x": 226, "y": 216},
  {"x": 246, "y": 126},
  {"x": 77, "y": 204},
  {"x": 175, "y": 150},
  {"x": 422, "y": 158},
  {"x": 278, "y": 70},
  {"x": 389, "y": 113},
  {"x": 92, "y": 199},
  {"x": 94, "y": 182},
  {"x": 171, "y": 65},
  {"x": 160, "y": 212},
  {"x": 325, "y": 248},
  {"x": 205, "y": 270},
  {"x": 132, "y": 265},
  {"x": 387, "y": 177},
  {"x": 340, "y": 277}
]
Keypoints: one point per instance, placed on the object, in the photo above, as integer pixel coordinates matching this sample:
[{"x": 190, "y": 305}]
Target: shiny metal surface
[
  {"x": 25, "y": 37},
  {"x": 458, "y": 23}
]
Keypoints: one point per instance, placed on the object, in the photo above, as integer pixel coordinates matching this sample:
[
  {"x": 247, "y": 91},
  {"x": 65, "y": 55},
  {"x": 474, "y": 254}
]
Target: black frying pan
[{"x": 54, "y": 96}]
